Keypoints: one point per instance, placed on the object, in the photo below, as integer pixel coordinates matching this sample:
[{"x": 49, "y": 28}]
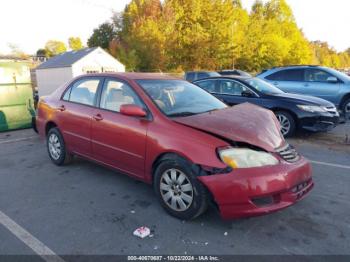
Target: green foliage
[
  {"x": 327, "y": 56},
  {"x": 75, "y": 43},
  {"x": 54, "y": 47},
  {"x": 102, "y": 36},
  {"x": 273, "y": 38},
  {"x": 176, "y": 35},
  {"x": 41, "y": 52}
]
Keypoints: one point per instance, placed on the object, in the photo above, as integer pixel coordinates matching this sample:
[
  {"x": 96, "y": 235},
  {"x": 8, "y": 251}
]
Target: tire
[
  {"x": 190, "y": 196},
  {"x": 345, "y": 107},
  {"x": 287, "y": 123},
  {"x": 56, "y": 148}
]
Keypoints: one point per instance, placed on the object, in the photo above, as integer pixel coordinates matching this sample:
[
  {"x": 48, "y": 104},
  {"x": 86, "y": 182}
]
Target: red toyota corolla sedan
[{"x": 174, "y": 135}]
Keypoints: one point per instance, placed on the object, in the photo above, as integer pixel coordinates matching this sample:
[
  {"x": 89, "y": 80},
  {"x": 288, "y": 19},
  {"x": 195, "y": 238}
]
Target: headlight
[
  {"x": 313, "y": 109},
  {"x": 246, "y": 158}
]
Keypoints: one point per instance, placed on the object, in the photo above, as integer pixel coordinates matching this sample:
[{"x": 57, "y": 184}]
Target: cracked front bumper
[{"x": 259, "y": 191}]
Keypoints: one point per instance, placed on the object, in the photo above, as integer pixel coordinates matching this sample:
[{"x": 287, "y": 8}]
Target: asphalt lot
[{"x": 84, "y": 208}]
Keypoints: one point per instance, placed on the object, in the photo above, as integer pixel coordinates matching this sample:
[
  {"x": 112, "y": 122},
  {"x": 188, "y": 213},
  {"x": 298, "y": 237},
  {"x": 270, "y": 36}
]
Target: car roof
[
  {"x": 236, "y": 77},
  {"x": 200, "y": 72},
  {"x": 138, "y": 76},
  {"x": 295, "y": 66}
]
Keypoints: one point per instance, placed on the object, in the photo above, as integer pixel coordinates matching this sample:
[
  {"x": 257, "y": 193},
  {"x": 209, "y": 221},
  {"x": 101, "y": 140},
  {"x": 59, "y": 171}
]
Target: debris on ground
[
  {"x": 132, "y": 212},
  {"x": 225, "y": 234},
  {"x": 142, "y": 232}
]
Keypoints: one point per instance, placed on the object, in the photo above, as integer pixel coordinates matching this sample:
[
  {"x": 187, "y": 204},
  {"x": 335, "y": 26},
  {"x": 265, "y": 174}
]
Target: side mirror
[
  {"x": 247, "y": 93},
  {"x": 132, "y": 110},
  {"x": 332, "y": 79}
]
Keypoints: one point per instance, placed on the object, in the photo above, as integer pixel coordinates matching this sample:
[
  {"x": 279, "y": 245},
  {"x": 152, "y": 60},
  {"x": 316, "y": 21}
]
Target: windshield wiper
[
  {"x": 182, "y": 114},
  {"x": 211, "y": 110}
]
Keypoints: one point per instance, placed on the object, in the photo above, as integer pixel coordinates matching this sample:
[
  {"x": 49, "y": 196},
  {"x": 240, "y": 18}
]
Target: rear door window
[
  {"x": 287, "y": 75},
  {"x": 208, "y": 85},
  {"x": 82, "y": 92}
]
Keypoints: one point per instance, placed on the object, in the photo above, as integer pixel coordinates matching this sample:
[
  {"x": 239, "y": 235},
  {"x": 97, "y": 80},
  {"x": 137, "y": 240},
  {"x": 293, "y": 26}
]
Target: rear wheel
[
  {"x": 57, "y": 148},
  {"x": 178, "y": 189},
  {"x": 287, "y": 123}
]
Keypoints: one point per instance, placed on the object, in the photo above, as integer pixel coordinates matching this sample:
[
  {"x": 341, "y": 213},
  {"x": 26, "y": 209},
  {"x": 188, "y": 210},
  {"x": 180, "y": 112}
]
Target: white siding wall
[
  {"x": 97, "y": 59},
  {"x": 52, "y": 78}
]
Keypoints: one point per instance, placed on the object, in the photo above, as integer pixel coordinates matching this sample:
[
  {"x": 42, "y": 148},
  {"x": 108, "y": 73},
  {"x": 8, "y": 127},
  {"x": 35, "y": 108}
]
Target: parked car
[
  {"x": 234, "y": 72},
  {"x": 195, "y": 75},
  {"x": 172, "y": 134},
  {"x": 319, "y": 81},
  {"x": 292, "y": 110}
]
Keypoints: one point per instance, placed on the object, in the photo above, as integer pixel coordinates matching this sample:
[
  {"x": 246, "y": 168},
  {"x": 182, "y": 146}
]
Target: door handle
[
  {"x": 275, "y": 83},
  {"x": 98, "y": 117},
  {"x": 61, "y": 108}
]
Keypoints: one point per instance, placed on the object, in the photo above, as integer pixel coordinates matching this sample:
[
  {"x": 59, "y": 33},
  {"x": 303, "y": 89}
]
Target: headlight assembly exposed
[
  {"x": 246, "y": 158},
  {"x": 312, "y": 109}
]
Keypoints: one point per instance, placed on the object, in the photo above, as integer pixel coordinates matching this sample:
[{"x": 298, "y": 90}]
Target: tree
[
  {"x": 273, "y": 38},
  {"x": 54, "y": 47},
  {"x": 177, "y": 35},
  {"x": 102, "y": 35},
  {"x": 75, "y": 43},
  {"x": 327, "y": 56},
  {"x": 16, "y": 51},
  {"x": 41, "y": 52},
  {"x": 142, "y": 37}
]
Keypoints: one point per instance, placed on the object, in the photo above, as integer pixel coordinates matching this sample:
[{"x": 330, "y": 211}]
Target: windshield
[
  {"x": 339, "y": 74},
  {"x": 263, "y": 86},
  {"x": 180, "y": 98}
]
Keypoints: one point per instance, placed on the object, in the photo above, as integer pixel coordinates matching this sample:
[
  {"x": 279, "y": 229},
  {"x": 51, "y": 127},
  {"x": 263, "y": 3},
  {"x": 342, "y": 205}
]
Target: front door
[
  {"x": 317, "y": 84},
  {"x": 231, "y": 92},
  {"x": 119, "y": 140}
]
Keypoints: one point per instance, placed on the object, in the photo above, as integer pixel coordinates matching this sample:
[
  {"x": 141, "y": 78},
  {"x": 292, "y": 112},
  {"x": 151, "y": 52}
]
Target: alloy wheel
[
  {"x": 176, "y": 189},
  {"x": 285, "y": 124},
  {"x": 54, "y": 146}
]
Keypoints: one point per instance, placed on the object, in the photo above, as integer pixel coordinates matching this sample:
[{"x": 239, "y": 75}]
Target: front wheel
[
  {"x": 346, "y": 109},
  {"x": 287, "y": 123},
  {"x": 57, "y": 148},
  {"x": 178, "y": 189}
]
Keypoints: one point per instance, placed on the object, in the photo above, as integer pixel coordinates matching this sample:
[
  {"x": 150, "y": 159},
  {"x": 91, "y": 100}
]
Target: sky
[{"x": 29, "y": 24}]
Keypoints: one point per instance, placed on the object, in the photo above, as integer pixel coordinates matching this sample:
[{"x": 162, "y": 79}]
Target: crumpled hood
[{"x": 246, "y": 123}]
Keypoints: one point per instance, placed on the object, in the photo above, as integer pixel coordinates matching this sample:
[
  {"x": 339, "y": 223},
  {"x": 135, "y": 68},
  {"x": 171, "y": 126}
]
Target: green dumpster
[{"x": 16, "y": 95}]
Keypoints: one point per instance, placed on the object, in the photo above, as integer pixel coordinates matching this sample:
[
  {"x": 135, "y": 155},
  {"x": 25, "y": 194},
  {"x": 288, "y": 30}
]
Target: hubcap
[
  {"x": 285, "y": 124},
  {"x": 54, "y": 147},
  {"x": 176, "y": 189}
]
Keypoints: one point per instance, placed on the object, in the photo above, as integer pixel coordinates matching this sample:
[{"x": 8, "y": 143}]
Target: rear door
[
  {"x": 119, "y": 140},
  {"x": 75, "y": 112},
  {"x": 288, "y": 80}
]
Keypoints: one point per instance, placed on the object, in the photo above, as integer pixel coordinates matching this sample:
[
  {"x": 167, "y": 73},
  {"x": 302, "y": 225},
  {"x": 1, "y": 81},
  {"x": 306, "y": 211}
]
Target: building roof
[
  {"x": 139, "y": 76},
  {"x": 66, "y": 59}
]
